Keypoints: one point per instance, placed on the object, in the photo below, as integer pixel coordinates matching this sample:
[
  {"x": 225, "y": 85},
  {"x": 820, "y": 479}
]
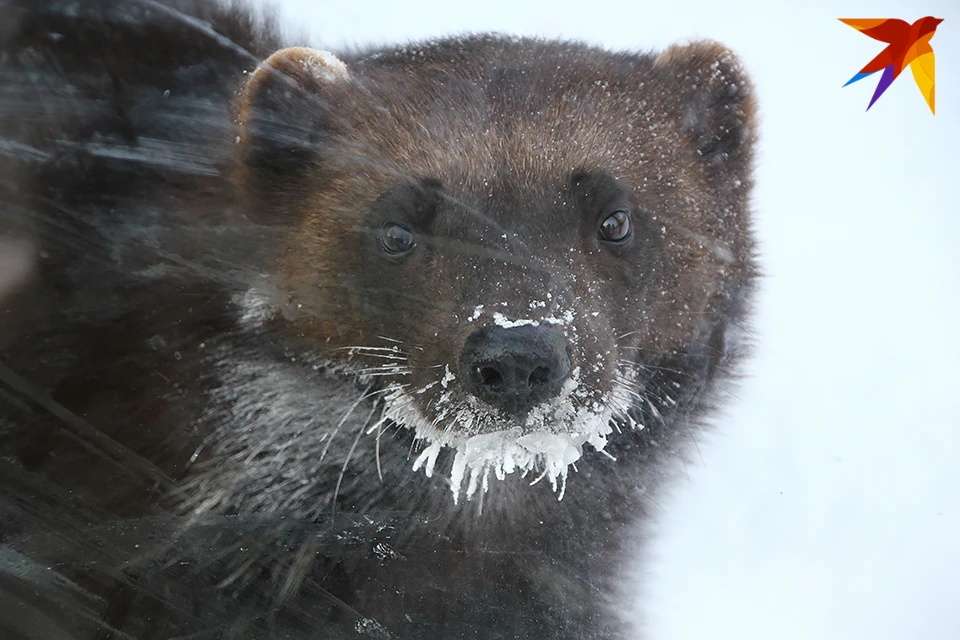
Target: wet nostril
[
  {"x": 490, "y": 377},
  {"x": 539, "y": 376}
]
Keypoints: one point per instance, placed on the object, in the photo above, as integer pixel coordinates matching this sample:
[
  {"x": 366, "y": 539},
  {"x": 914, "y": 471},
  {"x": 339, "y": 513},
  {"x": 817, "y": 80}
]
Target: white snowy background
[{"x": 826, "y": 502}]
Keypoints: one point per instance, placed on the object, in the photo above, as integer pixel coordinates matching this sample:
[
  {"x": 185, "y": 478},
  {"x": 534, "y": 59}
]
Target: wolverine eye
[
  {"x": 395, "y": 239},
  {"x": 616, "y": 227}
]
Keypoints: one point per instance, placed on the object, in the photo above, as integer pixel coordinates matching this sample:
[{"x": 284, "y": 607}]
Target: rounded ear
[
  {"x": 285, "y": 111},
  {"x": 715, "y": 104}
]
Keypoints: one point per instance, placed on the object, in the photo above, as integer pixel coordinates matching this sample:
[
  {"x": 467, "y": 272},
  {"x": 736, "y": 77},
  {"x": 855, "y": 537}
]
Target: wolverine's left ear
[
  {"x": 289, "y": 110},
  {"x": 715, "y": 103}
]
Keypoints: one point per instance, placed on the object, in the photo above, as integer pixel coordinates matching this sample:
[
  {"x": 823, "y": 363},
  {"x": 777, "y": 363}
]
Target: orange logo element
[{"x": 907, "y": 44}]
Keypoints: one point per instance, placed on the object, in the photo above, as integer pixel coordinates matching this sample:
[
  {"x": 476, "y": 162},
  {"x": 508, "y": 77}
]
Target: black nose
[{"x": 515, "y": 368}]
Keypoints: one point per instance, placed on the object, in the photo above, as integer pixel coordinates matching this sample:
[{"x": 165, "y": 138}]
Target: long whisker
[
  {"x": 343, "y": 469},
  {"x": 343, "y": 419}
]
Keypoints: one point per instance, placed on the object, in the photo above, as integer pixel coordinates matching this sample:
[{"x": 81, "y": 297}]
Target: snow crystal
[
  {"x": 448, "y": 377},
  {"x": 501, "y": 321},
  {"x": 325, "y": 66}
]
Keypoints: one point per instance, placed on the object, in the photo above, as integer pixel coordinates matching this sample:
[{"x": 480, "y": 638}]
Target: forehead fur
[
  {"x": 483, "y": 105},
  {"x": 488, "y": 113},
  {"x": 475, "y": 109}
]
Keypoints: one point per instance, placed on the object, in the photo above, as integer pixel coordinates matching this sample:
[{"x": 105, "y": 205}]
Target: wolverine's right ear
[
  {"x": 287, "y": 112},
  {"x": 715, "y": 106}
]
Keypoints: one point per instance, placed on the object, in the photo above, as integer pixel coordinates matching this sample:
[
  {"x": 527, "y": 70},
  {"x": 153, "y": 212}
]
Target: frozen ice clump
[{"x": 512, "y": 450}]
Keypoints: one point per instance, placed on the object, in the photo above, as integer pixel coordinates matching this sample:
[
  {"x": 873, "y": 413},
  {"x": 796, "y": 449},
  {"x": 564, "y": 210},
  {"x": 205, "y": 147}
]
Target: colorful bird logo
[{"x": 906, "y": 44}]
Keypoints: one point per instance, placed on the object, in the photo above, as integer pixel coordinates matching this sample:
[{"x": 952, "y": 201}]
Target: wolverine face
[
  {"x": 492, "y": 323},
  {"x": 512, "y": 246}
]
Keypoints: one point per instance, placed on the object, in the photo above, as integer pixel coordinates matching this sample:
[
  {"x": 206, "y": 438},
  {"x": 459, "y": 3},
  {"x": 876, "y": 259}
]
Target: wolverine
[{"x": 391, "y": 342}]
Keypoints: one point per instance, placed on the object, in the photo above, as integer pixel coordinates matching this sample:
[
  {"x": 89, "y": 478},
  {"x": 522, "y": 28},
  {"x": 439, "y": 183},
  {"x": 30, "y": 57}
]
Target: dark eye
[
  {"x": 616, "y": 226},
  {"x": 395, "y": 239}
]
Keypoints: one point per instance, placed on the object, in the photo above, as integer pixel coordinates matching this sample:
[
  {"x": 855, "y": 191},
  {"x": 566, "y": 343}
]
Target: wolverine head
[{"x": 522, "y": 245}]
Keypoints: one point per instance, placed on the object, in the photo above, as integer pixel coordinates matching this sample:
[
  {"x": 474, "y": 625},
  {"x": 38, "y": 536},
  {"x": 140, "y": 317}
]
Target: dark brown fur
[{"x": 208, "y": 358}]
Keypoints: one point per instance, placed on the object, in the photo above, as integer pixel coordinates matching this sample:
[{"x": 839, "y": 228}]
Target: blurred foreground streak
[{"x": 106, "y": 107}]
